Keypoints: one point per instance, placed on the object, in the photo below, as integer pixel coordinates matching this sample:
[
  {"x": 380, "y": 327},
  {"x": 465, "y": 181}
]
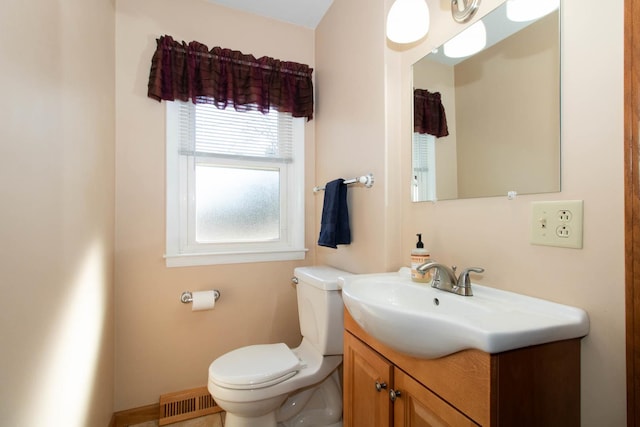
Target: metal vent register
[{"x": 185, "y": 405}]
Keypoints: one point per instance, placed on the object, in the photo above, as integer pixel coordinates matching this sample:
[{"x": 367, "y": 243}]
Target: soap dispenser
[{"x": 419, "y": 256}]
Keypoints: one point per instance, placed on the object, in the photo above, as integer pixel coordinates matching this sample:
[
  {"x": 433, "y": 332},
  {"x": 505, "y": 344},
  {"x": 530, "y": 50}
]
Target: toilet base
[
  {"x": 315, "y": 406},
  {"x": 320, "y": 405},
  {"x": 267, "y": 420}
]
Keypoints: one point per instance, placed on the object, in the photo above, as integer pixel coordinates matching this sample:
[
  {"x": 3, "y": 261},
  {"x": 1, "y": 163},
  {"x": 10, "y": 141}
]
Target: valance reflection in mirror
[{"x": 502, "y": 112}]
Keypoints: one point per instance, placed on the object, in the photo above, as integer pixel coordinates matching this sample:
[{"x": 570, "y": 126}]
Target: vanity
[{"x": 532, "y": 385}]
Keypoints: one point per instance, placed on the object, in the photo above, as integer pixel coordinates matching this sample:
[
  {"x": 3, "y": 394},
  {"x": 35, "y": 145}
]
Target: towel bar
[{"x": 366, "y": 180}]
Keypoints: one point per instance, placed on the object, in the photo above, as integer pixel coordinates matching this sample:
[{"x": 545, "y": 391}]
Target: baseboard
[{"x": 135, "y": 415}]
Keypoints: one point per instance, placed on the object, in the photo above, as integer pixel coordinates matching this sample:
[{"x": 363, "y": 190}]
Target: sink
[{"x": 425, "y": 322}]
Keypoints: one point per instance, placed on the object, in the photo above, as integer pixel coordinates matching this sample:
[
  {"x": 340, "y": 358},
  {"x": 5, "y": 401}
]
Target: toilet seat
[{"x": 255, "y": 366}]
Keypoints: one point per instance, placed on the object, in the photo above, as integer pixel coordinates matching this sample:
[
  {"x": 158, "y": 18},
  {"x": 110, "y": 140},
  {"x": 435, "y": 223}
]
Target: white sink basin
[{"x": 424, "y": 322}]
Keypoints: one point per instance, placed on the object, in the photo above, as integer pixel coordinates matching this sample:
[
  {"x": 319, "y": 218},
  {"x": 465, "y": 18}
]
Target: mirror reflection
[{"x": 500, "y": 113}]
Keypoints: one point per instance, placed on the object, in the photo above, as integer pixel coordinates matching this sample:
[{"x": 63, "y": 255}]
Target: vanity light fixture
[
  {"x": 529, "y": 10},
  {"x": 472, "y": 40},
  {"x": 463, "y": 10},
  {"x": 407, "y": 21}
]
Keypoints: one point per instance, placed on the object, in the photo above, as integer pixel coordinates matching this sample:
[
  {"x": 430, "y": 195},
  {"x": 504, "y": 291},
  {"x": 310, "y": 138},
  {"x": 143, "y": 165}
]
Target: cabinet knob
[
  {"x": 394, "y": 394},
  {"x": 380, "y": 386}
]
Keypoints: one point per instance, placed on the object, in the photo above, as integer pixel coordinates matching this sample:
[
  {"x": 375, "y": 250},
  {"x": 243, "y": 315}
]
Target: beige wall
[
  {"x": 56, "y": 221},
  {"x": 161, "y": 346},
  {"x": 350, "y": 129}
]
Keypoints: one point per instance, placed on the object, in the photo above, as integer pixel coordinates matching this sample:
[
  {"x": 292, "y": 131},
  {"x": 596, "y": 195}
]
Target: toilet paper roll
[{"x": 203, "y": 300}]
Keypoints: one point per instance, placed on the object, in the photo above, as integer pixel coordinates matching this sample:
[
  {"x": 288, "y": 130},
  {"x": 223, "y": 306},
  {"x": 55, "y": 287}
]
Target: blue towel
[{"x": 334, "y": 227}]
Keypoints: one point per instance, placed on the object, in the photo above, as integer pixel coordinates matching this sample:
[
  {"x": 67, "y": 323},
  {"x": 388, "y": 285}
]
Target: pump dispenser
[{"x": 419, "y": 256}]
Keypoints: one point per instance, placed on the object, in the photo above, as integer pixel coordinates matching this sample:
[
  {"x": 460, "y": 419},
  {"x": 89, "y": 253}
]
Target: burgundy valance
[
  {"x": 428, "y": 113},
  {"x": 181, "y": 71}
]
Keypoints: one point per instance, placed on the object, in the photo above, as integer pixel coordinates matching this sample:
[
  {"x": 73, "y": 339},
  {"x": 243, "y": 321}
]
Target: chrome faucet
[{"x": 445, "y": 278}]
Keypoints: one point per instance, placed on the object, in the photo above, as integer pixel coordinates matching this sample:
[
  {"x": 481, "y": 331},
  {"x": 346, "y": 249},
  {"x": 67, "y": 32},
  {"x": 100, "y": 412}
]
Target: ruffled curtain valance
[
  {"x": 428, "y": 113},
  {"x": 181, "y": 71}
]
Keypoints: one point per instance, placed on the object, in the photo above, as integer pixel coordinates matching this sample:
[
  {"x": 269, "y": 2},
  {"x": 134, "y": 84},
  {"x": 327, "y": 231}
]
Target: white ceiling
[{"x": 306, "y": 13}]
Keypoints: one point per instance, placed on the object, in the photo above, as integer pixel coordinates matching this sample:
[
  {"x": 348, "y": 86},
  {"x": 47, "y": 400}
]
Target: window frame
[{"x": 181, "y": 248}]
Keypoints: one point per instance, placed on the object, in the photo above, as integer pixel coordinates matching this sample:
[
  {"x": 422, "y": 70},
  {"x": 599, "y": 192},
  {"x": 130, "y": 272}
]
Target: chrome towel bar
[{"x": 366, "y": 180}]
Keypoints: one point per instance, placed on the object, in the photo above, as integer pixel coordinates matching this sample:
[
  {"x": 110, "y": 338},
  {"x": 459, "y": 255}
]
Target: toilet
[{"x": 272, "y": 385}]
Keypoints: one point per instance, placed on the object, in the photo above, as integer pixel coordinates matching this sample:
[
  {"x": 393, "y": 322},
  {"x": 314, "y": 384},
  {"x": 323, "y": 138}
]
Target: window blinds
[
  {"x": 424, "y": 178},
  {"x": 206, "y": 131}
]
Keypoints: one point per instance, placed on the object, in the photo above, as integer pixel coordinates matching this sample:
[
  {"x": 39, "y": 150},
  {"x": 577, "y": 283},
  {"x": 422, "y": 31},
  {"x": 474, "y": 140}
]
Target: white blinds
[
  {"x": 208, "y": 131},
  {"x": 423, "y": 147},
  {"x": 423, "y": 159}
]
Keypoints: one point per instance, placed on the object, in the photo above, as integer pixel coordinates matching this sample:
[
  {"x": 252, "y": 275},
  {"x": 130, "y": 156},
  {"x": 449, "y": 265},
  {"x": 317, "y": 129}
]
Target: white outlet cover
[{"x": 557, "y": 223}]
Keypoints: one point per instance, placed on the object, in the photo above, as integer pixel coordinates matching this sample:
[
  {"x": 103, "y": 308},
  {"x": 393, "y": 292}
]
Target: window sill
[{"x": 195, "y": 259}]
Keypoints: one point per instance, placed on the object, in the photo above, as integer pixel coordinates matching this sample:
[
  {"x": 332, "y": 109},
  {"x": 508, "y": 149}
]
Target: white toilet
[{"x": 271, "y": 385}]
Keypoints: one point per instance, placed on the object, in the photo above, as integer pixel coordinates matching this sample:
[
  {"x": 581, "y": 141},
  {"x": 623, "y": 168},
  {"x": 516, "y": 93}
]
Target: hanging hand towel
[{"x": 334, "y": 227}]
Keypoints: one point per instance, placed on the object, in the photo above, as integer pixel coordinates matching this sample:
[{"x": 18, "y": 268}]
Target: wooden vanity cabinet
[
  {"x": 368, "y": 380},
  {"x": 367, "y": 376},
  {"x": 536, "y": 386}
]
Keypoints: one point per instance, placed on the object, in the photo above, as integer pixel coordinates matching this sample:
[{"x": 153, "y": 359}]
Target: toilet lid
[{"x": 255, "y": 366}]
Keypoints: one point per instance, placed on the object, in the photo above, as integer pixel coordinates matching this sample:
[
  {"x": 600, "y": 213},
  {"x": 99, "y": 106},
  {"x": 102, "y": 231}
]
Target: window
[
  {"x": 234, "y": 185},
  {"x": 423, "y": 186}
]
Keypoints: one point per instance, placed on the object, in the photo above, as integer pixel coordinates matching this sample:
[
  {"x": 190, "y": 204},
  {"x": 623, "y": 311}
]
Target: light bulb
[
  {"x": 472, "y": 40},
  {"x": 407, "y": 21}
]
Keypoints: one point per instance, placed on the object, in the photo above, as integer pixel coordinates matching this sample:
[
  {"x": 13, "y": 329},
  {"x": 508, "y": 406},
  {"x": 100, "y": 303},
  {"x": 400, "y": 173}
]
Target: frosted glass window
[
  {"x": 237, "y": 205},
  {"x": 234, "y": 185}
]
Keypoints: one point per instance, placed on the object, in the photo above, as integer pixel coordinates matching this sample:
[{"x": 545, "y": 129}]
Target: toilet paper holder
[{"x": 187, "y": 296}]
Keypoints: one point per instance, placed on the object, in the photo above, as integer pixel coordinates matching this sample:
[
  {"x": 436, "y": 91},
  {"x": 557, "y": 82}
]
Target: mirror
[{"x": 502, "y": 109}]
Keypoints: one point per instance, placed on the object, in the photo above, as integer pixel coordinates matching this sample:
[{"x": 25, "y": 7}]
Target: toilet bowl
[{"x": 272, "y": 385}]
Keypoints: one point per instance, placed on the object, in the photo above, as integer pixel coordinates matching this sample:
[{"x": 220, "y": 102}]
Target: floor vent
[{"x": 185, "y": 405}]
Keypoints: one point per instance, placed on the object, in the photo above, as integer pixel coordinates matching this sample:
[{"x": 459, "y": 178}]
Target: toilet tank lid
[{"x": 321, "y": 276}]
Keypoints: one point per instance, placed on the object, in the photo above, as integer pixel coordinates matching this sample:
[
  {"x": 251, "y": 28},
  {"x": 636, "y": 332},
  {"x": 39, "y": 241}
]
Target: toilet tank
[{"x": 320, "y": 307}]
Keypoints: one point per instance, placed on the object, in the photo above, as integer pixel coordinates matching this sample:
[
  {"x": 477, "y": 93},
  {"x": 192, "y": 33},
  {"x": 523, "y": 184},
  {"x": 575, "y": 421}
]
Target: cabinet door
[
  {"x": 365, "y": 405},
  {"x": 418, "y": 407}
]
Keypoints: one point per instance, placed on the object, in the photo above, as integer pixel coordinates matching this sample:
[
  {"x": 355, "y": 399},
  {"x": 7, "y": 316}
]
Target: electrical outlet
[
  {"x": 564, "y": 215},
  {"x": 563, "y": 231},
  {"x": 557, "y": 223}
]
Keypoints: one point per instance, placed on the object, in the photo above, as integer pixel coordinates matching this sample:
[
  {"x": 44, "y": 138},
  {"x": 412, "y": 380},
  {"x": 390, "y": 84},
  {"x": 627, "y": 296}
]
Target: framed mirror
[{"x": 502, "y": 112}]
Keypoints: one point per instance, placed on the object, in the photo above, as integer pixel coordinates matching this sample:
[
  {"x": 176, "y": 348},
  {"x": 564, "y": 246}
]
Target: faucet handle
[{"x": 464, "y": 281}]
